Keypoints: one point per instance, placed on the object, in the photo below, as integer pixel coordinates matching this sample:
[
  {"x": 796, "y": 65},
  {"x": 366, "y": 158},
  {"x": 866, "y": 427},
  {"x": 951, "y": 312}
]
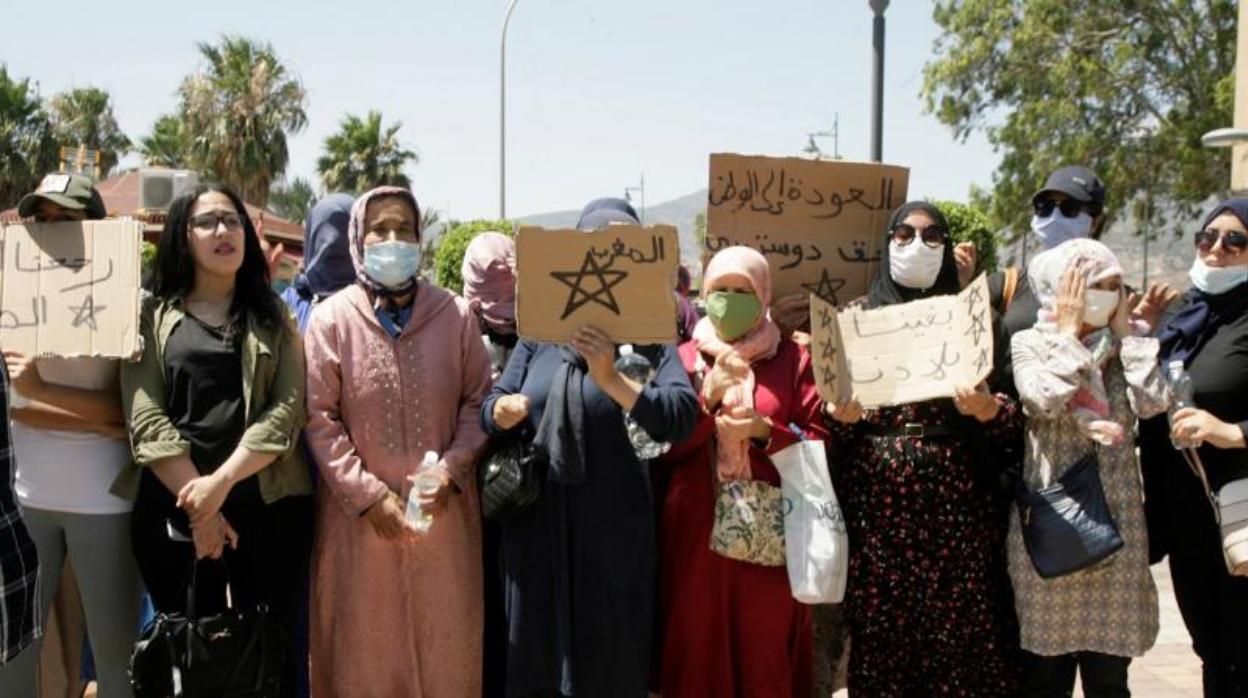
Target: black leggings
[
  {"x": 1103, "y": 675},
  {"x": 270, "y": 565},
  {"x": 1215, "y": 610}
]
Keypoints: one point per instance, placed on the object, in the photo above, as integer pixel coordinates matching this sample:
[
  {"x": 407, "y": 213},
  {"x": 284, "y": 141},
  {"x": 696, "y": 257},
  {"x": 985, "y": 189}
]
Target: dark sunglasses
[
  {"x": 1069, "y": 207},
  {"x": 932, "y": 235},
  {"x": 1232, "y": 240}
]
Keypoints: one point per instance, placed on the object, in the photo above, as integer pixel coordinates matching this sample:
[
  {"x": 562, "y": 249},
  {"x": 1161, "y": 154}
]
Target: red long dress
[{"x": 731, "y": 628}]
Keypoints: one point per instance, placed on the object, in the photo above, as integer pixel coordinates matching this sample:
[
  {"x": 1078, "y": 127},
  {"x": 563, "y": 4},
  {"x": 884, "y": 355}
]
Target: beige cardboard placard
[
  {"x": 819, "y": 222},
  {"x": 902, "y": 353},
  {"x": 620, "y": 280},
  {"x": 71, "y": 289}
]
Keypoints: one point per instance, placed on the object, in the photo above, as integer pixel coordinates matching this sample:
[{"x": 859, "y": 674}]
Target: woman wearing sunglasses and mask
[
  {"x": 214, "y": 407},
  {"x": 1209, "y": 336},
  {"x": 927, "y": 599}
]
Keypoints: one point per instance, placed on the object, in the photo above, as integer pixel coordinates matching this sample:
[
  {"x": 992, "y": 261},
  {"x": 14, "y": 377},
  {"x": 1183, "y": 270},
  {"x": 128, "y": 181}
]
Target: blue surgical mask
[
  {"x": 1216, "y": 280},
  {"x": 392, "y": 264},
  {"x": 1057, "y": 228}
]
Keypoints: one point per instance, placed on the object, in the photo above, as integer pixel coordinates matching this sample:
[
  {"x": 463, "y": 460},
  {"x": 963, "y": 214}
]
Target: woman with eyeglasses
[
  {"x": 214, "y": 407},
  {"x": 927, "y": 600},
  {"x": 1209, "y": 336}
]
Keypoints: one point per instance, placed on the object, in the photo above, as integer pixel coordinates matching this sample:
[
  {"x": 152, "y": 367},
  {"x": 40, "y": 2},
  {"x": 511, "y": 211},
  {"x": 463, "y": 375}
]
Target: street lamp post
[
  {"x": 502, "y": 114},
  {"x": 877, "y": 80},
  {"x": 641, "y": 188}
]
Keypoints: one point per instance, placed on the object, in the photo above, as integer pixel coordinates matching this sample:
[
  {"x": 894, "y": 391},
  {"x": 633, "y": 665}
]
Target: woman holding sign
[
  {"x": 1084, "y": 379},
  {"x": 927, "y": 600},
  {"x": 730, "y": 627},
  {"x": 579, "y": 562}
]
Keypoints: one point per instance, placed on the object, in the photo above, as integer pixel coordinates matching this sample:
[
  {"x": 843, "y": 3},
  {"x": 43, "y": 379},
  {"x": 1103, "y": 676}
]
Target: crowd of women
[{"x": 277, "y": 444}]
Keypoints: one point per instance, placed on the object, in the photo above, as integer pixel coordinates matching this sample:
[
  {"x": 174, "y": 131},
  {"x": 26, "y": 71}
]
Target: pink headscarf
[
  {"x": 489, "y": 273},
  {"x": 760, "y": 343},
  {"x": 356, "y": 230},
  {"x": 1090, "y": 405}
]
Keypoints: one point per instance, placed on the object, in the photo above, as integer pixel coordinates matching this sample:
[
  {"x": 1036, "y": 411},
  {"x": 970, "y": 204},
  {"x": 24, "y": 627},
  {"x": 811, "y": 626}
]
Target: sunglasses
[
  {"x": 932, "y": 235},
  {"x": 1232, "y": 240},
  {"x": 1069, "y": 207},
  {"x": 208, "y": 222}
]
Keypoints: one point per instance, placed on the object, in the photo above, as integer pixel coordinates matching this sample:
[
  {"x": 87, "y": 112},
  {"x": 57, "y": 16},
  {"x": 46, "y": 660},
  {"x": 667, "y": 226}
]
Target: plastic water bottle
[
  {"x": 1181, "y": 396},
  {"x": 637, "y": 368},
  {"x": 426, "y": 483}
]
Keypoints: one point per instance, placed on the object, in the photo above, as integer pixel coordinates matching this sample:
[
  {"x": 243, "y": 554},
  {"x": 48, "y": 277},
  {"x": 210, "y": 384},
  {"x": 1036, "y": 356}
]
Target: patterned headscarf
[
  {"x": 1090, "y": 403},
  {"x": 357, "y": 230}
]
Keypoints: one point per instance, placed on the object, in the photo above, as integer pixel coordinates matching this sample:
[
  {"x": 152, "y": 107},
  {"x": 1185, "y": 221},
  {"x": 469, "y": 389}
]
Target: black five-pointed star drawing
[
  {"x": 575, "y": 280},
  {"x": 826, "y": 287}
]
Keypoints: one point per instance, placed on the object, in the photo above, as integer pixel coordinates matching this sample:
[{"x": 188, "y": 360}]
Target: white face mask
[
  {"x": 1099, "y": 306},
  {"x": 915, "y": 265},
  {"x": 1057, "y": 228},
  {"x": 392, "y": 264},
  {"x": 1216, "y": 280}
]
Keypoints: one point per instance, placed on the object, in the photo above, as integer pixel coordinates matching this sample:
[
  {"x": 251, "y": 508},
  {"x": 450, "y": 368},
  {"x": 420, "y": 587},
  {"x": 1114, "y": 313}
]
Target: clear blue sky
[{"x": 597, "y": 91}]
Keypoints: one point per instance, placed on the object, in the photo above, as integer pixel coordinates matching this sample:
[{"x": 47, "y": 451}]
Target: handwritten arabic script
[
  {"x": 71, "y": 289},
  {"x": 820, "y": 223},
  {"x": 903, "y": 353}
]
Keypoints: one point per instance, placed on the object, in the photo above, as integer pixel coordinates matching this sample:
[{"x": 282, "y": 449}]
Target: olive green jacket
[{"x": 273, "y": 393}]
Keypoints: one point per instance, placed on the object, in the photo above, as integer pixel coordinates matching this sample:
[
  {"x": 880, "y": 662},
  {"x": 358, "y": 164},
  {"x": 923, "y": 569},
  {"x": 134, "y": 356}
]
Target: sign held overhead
[
  {"x": 820, "y": 223},
  {"x": 620, "y": 280}
]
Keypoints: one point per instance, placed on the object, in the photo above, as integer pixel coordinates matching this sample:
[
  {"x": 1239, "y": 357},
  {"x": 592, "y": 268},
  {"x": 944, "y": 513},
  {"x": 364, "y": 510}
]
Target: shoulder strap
[
  {"x": 1011, "y": 286},
  {"x": 1198, "y": 467}
]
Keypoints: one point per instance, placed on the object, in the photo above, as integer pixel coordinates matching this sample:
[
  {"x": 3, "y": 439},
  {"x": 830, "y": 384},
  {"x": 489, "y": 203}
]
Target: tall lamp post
[
  {"x": 640, "y": 188},
  {"x": 877, "y": 80},
  {"x": 502, "y": 114}
]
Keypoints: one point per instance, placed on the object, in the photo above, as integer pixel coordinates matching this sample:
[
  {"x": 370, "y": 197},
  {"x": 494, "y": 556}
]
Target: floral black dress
[{"x": 928, "y": 598}]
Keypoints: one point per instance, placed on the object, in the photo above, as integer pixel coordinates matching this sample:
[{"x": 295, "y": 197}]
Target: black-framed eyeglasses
[
  {"x": 932, "y": 236},
  {"x": 208, "y": 222},
  {"x": 1235, "y": 241},
  {"x": 1069, "y": 207}
]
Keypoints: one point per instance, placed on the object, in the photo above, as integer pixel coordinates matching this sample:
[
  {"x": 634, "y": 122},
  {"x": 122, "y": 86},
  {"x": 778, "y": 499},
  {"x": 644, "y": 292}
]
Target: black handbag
[
  {"x": 240, "y": 653},
  {"x": 1067, "y": 526},
  {"x": 509, "y": 478}
]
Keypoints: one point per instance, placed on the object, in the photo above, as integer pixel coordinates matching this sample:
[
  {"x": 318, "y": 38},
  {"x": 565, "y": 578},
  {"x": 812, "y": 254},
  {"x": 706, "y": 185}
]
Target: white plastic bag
[{"x": 816, "y": 543}]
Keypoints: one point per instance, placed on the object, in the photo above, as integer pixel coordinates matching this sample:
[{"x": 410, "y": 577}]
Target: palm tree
[
  {"x": 27, "y": 147},
  {"x": 363, "y": 155},
  {"x": 238, "y": 112},
  {"x": 84, "y": 117},
  {"x": 292, "y": 200},
  {"x": 168, "y": 144}
]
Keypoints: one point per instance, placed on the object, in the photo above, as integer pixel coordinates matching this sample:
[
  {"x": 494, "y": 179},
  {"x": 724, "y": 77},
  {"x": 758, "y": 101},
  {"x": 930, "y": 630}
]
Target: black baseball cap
[
  {"x": 70, "y": 191},
  {"x": 1077, "y": 182}
]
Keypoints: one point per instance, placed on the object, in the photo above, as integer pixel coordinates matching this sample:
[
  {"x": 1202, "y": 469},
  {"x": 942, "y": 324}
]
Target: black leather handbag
[
  {"x": 509, "y": 478},
  {"x": 240, "y": 653},
  {"x": 1067, "y": 526}
]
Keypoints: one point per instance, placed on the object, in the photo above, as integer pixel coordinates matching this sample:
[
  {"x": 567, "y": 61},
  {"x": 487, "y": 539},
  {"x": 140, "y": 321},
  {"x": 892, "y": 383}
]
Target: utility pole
[{"x": 877, "y": 80}]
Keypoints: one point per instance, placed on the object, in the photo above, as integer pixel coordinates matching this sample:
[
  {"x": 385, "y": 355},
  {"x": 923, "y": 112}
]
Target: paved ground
[{"x": 1170, "y": 669}]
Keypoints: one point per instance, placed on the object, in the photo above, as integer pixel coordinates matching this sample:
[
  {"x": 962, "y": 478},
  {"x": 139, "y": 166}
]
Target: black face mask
[{"x": 507, "y": 341}]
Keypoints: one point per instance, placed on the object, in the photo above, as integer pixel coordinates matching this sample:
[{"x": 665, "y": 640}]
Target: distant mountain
[{"x": 678, "y": 212}]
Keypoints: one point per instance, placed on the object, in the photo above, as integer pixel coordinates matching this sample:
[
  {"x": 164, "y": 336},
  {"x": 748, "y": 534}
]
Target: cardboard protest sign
[
  {"x": 70, "y": 289},
  {"x": 620, "y": 280},
  {"x": 819, "y": 222},
  {"x": 902, "y": 353}
]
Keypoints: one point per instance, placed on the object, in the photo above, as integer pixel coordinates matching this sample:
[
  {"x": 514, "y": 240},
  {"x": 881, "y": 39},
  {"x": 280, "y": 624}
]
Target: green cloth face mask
[{"x": 732, "y": 313}]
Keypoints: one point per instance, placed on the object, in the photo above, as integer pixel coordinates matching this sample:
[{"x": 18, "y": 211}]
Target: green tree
[
  {"x": 969, "y": 223},
  {"x": 1126, "y": 88},
  {"x": 363, "y": 155},
  {"x": 84, "y": 116},
  {"x": 293, "y": 200},
  {"x": 449, "y": 257},
  {"x": 27, "y": 147},
  {"x": 237, "y": 113},
  {"x": 168, "y": 145}
]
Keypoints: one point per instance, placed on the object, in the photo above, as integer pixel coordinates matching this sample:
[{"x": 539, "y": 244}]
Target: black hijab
[
  {"x": 600, "y": 213},
  {"x": 1203, "y": 314},
  {"x": 884, "y": 291}
]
